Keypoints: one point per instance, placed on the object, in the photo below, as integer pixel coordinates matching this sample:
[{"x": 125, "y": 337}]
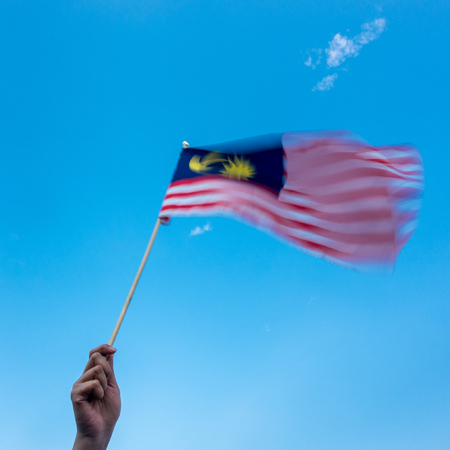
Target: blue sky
[{"x": 233, "y": 339}]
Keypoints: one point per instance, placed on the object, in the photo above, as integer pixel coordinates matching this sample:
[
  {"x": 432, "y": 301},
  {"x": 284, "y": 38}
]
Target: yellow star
[{"x": 239, "y": 169}]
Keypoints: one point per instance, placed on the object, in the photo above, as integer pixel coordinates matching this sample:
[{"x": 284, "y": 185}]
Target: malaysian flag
[{"x": 328, "y": 193}]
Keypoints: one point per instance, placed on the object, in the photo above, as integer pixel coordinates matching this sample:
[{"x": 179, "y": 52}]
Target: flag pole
[{"x": 135, "y": 282}]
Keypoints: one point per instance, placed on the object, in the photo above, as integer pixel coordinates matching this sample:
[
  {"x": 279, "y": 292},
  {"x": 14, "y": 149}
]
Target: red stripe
[
  {"x": 349, "y": 175},
  {"x": 321, "y": 152},
  {"x": 302, "y": 242},
  {"x": 206, "y": 178},
  {"x": 326, "y": 250},
  {"x": 348, "y": 196},
  {"x": 360, "y": 215},
  {"x": 354, "y": 238},
  {"x": 331, "y": 155},
  {"x": 190, "y": 194}
]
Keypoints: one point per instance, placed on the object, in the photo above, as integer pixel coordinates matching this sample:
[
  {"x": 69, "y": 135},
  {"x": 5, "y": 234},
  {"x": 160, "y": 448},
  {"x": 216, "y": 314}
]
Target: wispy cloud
[
  {"x": 201, "y": 230},
  {"x": 314, "y": 57},
  {"x": 342, "y": 47},
  {"x": 326, "y": 84}
]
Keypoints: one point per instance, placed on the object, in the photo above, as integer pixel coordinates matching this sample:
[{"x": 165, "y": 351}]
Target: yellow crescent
[{"x": 199, "y": 165}]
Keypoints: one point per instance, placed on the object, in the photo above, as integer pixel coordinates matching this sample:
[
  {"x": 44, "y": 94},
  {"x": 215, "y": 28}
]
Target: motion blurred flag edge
[{"x": 328, "y": 193}]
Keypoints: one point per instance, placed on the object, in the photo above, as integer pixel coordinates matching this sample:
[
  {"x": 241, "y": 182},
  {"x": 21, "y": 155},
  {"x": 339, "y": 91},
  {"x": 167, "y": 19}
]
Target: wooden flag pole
[{"x": 135, "y": 282}]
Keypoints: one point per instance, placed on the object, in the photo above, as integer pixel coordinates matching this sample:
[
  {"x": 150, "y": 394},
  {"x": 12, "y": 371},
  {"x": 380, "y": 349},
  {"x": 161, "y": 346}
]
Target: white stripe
[
  {"x": 294, "y": 198},
  {"x": 349, "y": 228},
  {"x": 262, "y": 221},
  {"x": 307, "y": 168},
  {"x": 285, "y": 210},
  {"x": 342, "y": 187}
]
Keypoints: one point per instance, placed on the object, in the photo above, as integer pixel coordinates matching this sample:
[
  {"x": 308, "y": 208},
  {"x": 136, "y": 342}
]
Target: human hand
[{"x": 96, "y": 401}]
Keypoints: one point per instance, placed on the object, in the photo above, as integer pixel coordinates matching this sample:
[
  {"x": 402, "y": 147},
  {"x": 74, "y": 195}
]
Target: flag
[{"x": 328, "y": 193}]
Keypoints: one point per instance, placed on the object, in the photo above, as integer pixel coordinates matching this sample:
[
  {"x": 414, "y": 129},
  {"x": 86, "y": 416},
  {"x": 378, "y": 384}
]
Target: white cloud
[
  {"x": 326, "y": 84},
  {"x": 342, "y": 47},
  {"x": 317, "y": 53},
  {"x": 200, "y": 230},
  {"x": 372, "y": 31},
  {"x": 195, "y": 231}
]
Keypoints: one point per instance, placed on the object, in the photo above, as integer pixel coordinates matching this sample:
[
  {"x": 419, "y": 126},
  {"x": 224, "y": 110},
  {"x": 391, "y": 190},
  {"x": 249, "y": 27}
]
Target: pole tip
[{"x": 185, "y": 144}]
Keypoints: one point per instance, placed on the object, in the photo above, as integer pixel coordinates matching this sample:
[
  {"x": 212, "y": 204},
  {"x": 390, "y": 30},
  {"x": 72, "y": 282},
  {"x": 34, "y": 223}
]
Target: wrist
[{"x": 91, "y": 443}]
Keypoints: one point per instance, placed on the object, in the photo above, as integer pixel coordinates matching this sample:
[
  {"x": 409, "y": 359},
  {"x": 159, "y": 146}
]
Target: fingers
[
  {"x": 96, "y": 373},
  {"x": 96, "y": 376},
  {"x": 104, "y": 349},
  {"x": 94, "y": 380},
  {"x": 96, "y": 359},
  {"x": 91, "y": 388}
]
